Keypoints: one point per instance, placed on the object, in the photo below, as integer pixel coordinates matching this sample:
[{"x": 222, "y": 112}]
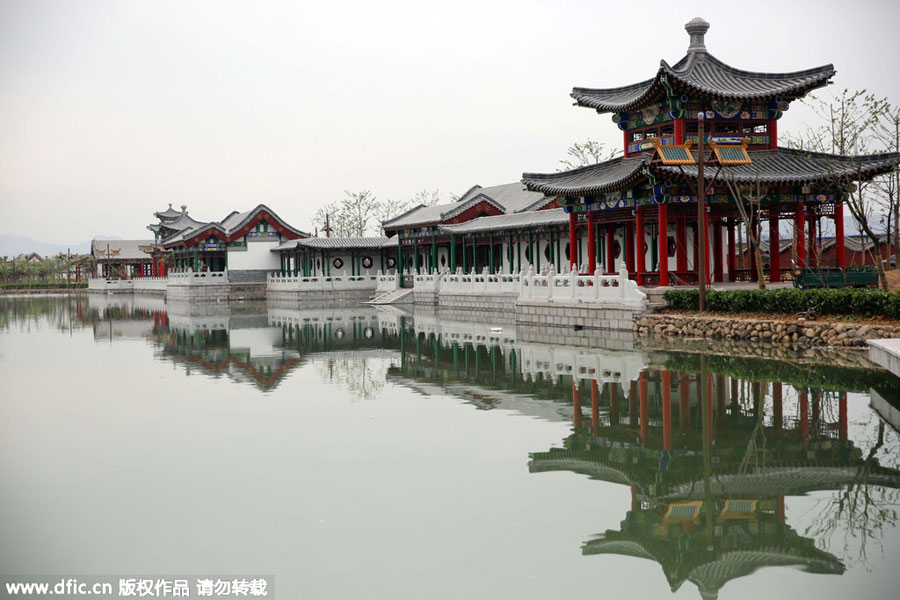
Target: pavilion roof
[
  {"x": 610, "y": 175},
  {"x": 170, "y": 214},
  {"x": 553, "y": 216},
  {"x": 789, "y": 165},
  {"x": 183, "y": 222},
  {"x": 710, "y": 570},
  {"x": 702, "y": 73}
]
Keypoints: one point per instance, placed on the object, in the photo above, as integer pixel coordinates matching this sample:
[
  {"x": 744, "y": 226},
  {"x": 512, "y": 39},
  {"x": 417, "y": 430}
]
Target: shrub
[{"x": 860, "y": 302}]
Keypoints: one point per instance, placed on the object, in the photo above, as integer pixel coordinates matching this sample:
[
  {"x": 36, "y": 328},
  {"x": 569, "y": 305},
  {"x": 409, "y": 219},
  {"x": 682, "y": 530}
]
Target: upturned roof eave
[{"x": 679, "y": 76}]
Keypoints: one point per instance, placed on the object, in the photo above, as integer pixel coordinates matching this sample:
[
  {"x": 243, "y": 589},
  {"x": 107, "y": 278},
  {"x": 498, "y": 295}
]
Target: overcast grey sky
[{"x": 110, "y": 110}]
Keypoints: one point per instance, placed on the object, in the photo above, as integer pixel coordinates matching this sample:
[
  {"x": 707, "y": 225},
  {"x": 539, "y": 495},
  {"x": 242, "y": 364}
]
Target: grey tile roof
[
  {"x": 512, "y": 197},
  {"x": 184, "y": 221},
  {"x": 788, "y": 165},
  {"x": 121, "y": 249},
  {"x": 588, "y": 181},
  {"x": 507, "y": 198},
  {"x": 168, "y": 214},
  {"x": 521, "y": 220},
  {"x": 420, "y": 215},
  {"x": 702, "y": 72},
  {"x": 230, "y": 225},
  {"x": 334, "y": 243}
]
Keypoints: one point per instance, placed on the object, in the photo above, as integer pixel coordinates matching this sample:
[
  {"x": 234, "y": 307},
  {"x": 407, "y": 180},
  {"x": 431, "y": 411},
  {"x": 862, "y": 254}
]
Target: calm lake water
[{"x": 353, "y": 452}]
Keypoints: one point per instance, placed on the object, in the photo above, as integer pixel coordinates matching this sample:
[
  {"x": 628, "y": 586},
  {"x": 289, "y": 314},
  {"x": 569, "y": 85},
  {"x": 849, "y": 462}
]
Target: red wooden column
[
  {"x": 610, "y": 247},
  {"x": 641, "y": 265},
  {"x": 592, "y": 244},
  {"x": 839, "y": 233},
  {"x": 774, "y": 247},
  {"x": 696, "y": 248},
  {"x": 684, "y": 406},
  {"x": 595, "y": 407},
  {"x": 754, "y": 274},
  {"x": 576, "y": 406},
  {"x": 573, "y": 241},
  {"x": 663, "y": 242},
  {"x": 718, "y": 271},
  {"x": 645, "y": 409},
  {"x": 679, "y": 131},
  {"x": 680, "y": 245},
  {"x": 667, "y": 409},
  {"x": 773, "y": 134},
  {"x": 799, "y": 224},
  {"x": 812, "y": 240},
  {"x": 732, "y": 258},
  {"x": 629, "y": 246}
]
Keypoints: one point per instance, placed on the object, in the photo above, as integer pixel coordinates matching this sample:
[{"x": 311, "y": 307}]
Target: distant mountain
[{"x": 13, "y": 245}]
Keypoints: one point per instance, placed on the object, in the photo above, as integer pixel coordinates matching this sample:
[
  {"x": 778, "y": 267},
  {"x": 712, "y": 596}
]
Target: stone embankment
[{"x": 797, "y": 332}]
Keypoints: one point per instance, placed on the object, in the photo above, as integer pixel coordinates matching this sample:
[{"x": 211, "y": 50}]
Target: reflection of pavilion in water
[{"x": 708, "y": 487}]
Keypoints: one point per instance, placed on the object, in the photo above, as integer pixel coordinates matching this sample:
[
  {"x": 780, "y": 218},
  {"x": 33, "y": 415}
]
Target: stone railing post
[
  {"x": 623, "y": 281},
  {"x": 573, "y": 284},
  {"x": 551, "y": 278},
  {"x": 597, "y": 281}
]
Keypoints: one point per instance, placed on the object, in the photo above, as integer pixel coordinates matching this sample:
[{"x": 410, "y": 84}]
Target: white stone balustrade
[
  {"x": 604, "y": 366},
  {"x": 101, "y": 284},
  {"x": 277, "y": 282},
  {"x": 427, "y": 282},
  {"x": 479, "y": 283},
  {"x": 150, "y": 283},
  {"x": 198, "y": 278},
  {"x": 386, "y": 282},
  {"x": 574, "y": 287}
]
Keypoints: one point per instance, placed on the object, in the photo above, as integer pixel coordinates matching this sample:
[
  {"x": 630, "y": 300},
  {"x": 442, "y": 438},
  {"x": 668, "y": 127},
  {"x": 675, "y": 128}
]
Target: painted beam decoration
[{"x": 211, "y": 245}]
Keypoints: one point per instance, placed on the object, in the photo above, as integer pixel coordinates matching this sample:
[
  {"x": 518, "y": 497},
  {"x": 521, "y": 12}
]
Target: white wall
[{"x": 257, "y": 256}]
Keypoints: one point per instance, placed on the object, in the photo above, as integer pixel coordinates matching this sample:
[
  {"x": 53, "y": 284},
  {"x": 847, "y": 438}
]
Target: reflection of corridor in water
[
  {"x": 713, "y": 493},
  {"x": 709, "y": 487}
]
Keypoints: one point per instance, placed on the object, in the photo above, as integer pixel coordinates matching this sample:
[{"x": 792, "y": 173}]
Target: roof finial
[
  {"x": 696, "y": 28},
  {"x": 184, "y": 208}
]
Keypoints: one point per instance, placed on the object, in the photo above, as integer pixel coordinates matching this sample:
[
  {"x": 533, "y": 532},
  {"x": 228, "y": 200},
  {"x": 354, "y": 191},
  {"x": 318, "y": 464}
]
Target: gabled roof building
[{"x": 241, "y": 243}]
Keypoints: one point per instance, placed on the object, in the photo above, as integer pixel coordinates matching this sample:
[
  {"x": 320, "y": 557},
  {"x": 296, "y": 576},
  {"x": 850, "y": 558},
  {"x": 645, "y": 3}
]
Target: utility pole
[{"x": 701, "y": 214}]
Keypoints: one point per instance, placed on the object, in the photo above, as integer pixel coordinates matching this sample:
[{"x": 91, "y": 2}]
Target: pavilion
[{"x": 652, "y": 187}]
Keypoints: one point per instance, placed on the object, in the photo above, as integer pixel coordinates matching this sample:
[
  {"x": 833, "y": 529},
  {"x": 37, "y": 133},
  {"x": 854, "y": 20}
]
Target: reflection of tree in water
[
  {"x": 862, "y": 511},
  {"x": 363, "y": 376},
  {"x": 64, "y": 312}
]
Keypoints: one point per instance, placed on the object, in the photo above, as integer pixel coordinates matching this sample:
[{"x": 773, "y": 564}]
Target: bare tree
[
  {"x": 590, "y": 152},
  {"x": 427, "y": 197},
  {"x": 887, "y": 131},
  {"x": 851, "y": 123},
  {"x": 747, "y": 198}
]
